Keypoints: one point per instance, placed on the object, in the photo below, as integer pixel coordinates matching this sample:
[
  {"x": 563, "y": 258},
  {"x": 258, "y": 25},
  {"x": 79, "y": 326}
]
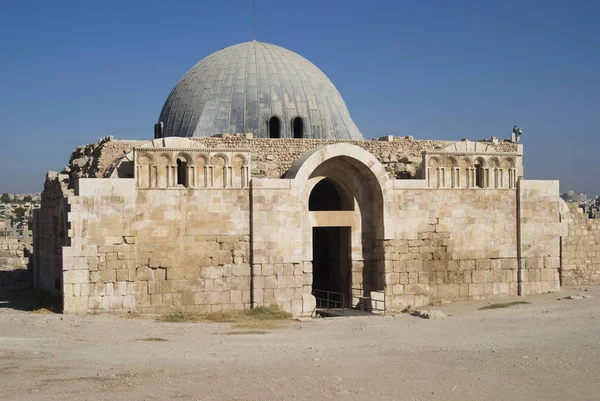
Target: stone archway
[{"x": 361, "y": 178}]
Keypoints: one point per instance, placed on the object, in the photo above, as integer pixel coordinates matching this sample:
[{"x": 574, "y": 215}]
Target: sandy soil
[{"x": 548, "y": 350}]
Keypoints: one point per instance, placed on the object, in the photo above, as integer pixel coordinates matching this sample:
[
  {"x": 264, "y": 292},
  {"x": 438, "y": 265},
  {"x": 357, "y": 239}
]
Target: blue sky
[{"x": 74, "y": 71}]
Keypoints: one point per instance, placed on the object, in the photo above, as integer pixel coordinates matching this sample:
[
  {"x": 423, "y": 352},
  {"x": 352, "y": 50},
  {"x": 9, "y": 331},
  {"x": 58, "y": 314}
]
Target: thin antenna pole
[{"x": 254, "y": 20}]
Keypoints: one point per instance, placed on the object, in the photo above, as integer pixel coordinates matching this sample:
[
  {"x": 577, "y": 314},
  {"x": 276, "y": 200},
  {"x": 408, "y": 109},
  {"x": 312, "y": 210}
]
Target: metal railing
[{"x": 330, "y": 301}]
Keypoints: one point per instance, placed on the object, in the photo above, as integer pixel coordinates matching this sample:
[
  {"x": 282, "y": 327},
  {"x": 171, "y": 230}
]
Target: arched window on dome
[
  {"x": 298, "y": 127},
  {"x": 274, "y": 127}
]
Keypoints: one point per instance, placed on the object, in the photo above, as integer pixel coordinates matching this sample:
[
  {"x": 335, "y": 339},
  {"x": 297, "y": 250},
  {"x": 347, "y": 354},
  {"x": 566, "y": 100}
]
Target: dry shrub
[
  {"x": 245, "y": 332},
  {"x": 262, "y": 317}
]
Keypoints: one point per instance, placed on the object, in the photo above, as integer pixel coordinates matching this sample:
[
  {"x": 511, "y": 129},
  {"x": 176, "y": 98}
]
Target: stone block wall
[
  {"x": 473, "y": 244},
  {"x": 100, "y": 252},
  {"x": 157, "y": 251},
  {"x": 280, "y": 275},
  {"x": 581, "y": 250},
  {"x": 205, "y": 250},
  {"x": 451, "y": 245},
  {"x": 539, "y": 232},
  {"x": 216, "y": 278}
]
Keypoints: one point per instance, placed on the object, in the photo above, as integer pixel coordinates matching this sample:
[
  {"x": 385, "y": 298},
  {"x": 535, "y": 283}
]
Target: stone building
[
  {"x": 258, "y": 188},
  {"x": 571, "y": 196}
]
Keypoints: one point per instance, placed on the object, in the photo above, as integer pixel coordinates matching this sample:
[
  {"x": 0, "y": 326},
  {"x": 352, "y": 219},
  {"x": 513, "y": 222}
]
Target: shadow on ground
[{"x": 28, "y": 300}]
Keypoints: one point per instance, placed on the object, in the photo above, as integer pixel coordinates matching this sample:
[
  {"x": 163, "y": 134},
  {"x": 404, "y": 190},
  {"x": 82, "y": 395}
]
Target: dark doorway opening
[{"x": 331, "y": 266}]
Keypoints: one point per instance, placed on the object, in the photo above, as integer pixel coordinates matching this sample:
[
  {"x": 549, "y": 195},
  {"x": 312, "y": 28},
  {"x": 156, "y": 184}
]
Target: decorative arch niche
[
  {"x": 436, "y": 173},
  {"x": 237, "y": 171},
  {"x": 219, "y": 163}
]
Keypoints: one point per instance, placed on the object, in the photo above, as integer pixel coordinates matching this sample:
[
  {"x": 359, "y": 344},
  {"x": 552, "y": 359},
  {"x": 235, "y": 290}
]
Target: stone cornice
[
  {"x": 200, "y": 150},
  {"x": 446, "y": 153}
]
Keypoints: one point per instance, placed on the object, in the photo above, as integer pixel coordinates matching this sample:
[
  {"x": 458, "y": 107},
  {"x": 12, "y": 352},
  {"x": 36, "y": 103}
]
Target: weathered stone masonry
[
  {"x": 15, "y": 267},
  {"x": 581, "y": 250},
  {"x": 51, "y": 234},
  {"x": 198, "y": 229},
  {"x": 402, "y": 157}
]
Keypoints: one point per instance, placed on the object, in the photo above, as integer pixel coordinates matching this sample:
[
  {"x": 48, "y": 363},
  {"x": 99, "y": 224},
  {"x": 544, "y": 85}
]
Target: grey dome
[{"x": 239, "y": 88}]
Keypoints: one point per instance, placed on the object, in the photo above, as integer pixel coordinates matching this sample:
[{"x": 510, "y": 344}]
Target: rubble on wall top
[{"x": 90, "y": 161}]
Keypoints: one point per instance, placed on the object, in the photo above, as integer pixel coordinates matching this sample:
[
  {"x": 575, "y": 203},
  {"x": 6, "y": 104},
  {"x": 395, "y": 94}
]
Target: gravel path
[{"x": 547, "y": 350}]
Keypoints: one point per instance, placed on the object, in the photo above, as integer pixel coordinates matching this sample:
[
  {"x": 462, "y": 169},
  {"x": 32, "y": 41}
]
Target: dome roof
[{"x": 240, "y": 88}]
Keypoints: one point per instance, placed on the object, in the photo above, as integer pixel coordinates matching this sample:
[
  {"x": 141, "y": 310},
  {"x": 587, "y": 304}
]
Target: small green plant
[
  {"x": 157, "y": 339},
  {"x": 504, "y": 305}
]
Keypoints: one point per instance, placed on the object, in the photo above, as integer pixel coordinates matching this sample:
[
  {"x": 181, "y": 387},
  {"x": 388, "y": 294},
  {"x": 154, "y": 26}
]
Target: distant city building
[
  {"x": 571, "y": 196},
  {"x": 12, "y": 207},
  {"x": 592, "y": 208},
  {"x": 5, "y": 225}
]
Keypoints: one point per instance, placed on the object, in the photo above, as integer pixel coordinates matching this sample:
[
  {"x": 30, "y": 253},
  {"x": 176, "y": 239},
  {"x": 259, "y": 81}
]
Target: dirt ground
[{"x": 546, "y": 350}]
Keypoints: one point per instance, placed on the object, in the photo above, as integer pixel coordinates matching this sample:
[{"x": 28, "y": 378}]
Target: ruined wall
[
  {"x": 50, "y": 234},
  {"x": 14, "y": 265},
  {"x": 92, "y": 160},
  {"x": 13, "y": 254},
  {"x": 581, "y": 250}
]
